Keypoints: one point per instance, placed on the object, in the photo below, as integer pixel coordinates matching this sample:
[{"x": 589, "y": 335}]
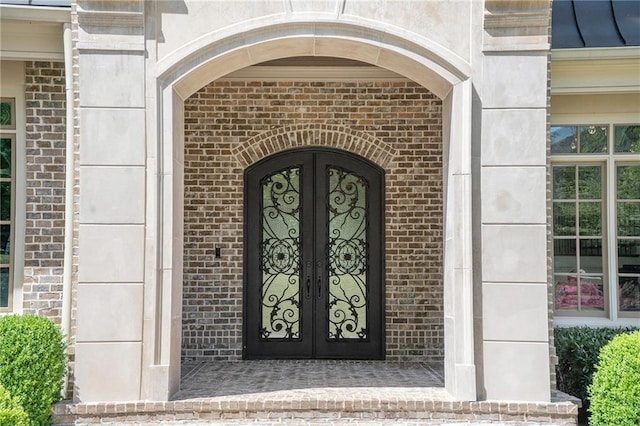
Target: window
[
  {"x": 7, "y": 173},
  {"x": 596, "y": 219}
]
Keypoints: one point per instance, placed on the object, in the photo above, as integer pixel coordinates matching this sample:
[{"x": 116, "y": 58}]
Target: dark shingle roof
[{"x": 595, "y": 23}]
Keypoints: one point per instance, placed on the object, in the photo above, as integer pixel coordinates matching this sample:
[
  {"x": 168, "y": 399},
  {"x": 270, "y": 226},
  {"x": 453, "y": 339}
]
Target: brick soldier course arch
[{"x": 333, "y": 136}]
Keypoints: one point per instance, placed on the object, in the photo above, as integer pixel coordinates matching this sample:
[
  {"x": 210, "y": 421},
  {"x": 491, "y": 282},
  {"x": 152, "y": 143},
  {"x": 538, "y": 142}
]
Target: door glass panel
[
  {"x": 280, "y": 255},
  {"x": 347, "y": 250}
]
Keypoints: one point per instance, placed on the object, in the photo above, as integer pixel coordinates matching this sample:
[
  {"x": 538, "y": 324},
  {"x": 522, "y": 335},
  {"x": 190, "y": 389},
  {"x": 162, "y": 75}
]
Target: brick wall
[
  {"x": 45, "y": 155},
  {"x": 223, "y": 116}
]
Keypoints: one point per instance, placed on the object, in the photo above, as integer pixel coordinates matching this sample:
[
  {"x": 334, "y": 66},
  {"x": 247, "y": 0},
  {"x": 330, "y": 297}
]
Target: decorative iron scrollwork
[
  {"x": 347, "y": 252},
  {"x": 280, "y": 255}
]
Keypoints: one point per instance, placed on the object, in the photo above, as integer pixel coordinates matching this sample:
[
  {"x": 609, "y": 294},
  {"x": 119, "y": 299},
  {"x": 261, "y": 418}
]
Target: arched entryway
[
  {"x": 212, "y": 58},
  {"x": 314, "y": 256}
]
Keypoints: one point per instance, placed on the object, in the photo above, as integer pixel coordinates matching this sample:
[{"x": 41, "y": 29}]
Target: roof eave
[
  {"x": 35, "y": 13},
  {"x": 590, "y": 53}
]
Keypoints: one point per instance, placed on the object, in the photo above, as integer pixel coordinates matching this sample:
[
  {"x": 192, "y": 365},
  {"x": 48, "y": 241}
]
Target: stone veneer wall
[
  {"x": 45, "y": 154},
  {"x": 224, "y": 115}
]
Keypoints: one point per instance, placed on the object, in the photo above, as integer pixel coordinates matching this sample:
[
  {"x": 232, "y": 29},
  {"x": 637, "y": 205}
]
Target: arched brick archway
[
  {"x": 211, "y": 57},
  {"x": 331, "y": 136}
]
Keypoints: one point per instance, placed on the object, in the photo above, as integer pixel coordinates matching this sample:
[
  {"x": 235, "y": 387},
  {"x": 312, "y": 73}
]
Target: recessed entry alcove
[{"x": 326, "y": 131}]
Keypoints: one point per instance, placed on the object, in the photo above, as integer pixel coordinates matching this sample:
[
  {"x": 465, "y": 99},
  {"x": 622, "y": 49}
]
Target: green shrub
[
  {"x": 32, "y": 363},
  {"x": 577, "y": 349},
  {"x": 615, "y": 391},
  {"x": 11, "y": 413}
]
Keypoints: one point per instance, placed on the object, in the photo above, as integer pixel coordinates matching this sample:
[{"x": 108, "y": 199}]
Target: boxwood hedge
[{"x": 32, "y": 363}]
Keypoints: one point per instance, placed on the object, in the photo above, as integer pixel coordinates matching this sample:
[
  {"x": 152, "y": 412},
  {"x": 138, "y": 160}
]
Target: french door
[{"x": 313, "y": 257}]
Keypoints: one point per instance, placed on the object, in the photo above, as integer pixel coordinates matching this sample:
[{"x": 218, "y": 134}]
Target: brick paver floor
[{"x": 215, "y": 379}]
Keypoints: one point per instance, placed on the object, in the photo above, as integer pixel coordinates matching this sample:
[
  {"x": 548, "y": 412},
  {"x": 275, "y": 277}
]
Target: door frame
[{"x": 341, "y": 350}]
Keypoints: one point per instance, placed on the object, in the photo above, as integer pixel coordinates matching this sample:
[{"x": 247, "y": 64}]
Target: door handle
[
  {"x": 308, "y": 280},
  {"x": 319, "y": 266}
]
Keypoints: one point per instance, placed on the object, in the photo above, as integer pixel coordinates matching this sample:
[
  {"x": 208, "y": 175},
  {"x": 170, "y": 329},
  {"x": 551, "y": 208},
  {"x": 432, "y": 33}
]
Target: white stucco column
[
  {"x": 460, "y": 369},
  {"x": 513, "y": 237},
  {"x": 112, "y": 203}
]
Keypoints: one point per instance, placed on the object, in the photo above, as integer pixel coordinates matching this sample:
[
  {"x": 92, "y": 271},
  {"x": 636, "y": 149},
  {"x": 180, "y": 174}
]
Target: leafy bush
[
  {"x": 615, "y": 391},
  {"x": 577, "y": 349},
  {"x": 11, "y": 413},
  {"x": 32, "y": 363}
]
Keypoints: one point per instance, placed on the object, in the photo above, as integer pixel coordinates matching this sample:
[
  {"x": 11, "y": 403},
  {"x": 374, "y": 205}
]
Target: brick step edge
[{"x": 557, "y": 413}]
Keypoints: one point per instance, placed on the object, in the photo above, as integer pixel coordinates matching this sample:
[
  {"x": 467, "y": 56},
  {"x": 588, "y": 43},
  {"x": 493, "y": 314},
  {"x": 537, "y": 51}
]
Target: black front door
[{"x": 313, "y": 257}]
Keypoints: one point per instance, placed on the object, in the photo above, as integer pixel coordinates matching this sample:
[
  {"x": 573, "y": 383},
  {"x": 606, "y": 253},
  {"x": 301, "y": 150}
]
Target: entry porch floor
[{"x": 314, "y": 392}]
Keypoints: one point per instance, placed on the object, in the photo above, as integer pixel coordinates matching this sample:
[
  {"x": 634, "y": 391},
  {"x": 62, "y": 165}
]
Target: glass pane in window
[
  {"x": 627, "y": 139},
  {"x": 590, "y": 223},
  {"x": 591, "y": 293},
  {"x": 566, "y": 291},
  {"x": 563, "y": 140},
  {"x": 629, "y": 219},
  {"x": 564, "y": 218},
  {"x": 5, "y": 244},
  {"x": 564, "y": 182},
  {"x": 564, "y": 256},
  {"x": 629, "y": 293},
  {"x": 628, "y": 182},
  {"x": 593, "y": 139},
  {"x": 4, "y": 287},
  {"x": 629, "y": 275},
  {"x": 6, "y": 115},
  {"x": 5, "y": 158},
  {"x": 591, "y": 256},
  {"x": 628, "y": 256},
  {"x": 589, "y": 182},
  {"x": 5, "y": 200}
]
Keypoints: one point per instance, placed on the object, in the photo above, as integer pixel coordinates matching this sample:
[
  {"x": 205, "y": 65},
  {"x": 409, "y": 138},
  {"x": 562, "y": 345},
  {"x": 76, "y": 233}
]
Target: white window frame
[
  {"x": 12, "y": 86},
  {"x": 609, "y": 161}
]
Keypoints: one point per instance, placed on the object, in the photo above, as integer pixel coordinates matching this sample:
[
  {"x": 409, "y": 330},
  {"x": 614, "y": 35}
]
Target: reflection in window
[
  {"x": 578, "y": 243},
  {"x": 6, "y": 197},
  {"x": 627, "y": 139},
  {"x": 588, "y": 139},
  {"x": 595, "y": 176},
  {"x": 628, "y": 236}
]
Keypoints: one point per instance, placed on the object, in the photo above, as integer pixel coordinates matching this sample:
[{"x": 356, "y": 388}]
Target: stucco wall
[{"x": 181, "y": 22}]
